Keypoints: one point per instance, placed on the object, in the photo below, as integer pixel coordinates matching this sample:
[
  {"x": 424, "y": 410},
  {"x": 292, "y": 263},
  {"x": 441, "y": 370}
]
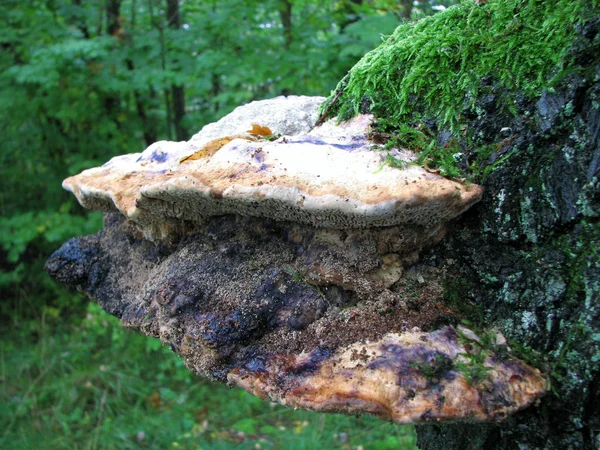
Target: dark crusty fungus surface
[{"x": 309, "y": 303}]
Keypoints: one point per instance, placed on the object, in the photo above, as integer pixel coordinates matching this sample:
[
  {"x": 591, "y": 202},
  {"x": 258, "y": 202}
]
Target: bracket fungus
[{"x": 282, "y": 258}]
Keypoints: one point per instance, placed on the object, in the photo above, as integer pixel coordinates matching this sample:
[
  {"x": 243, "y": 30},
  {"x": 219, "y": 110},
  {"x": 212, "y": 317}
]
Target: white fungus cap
[{"x": 331, "y": 176}]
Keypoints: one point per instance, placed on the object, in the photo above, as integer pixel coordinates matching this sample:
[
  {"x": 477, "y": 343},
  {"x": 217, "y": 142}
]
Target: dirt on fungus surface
[
  {"x": 389, "y": 312},
  {"x": 237, "y": 287}
]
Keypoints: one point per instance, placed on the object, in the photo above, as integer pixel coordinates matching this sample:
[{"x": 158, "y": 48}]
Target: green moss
[
  {"x": 528, "y": 354},
  {"x": 296, "y": 276},
  {"x": 573, "y": 360},
  {"x": 434, "y": 368},
  {"x": 456, "y": 296},
  {"x": 581, "y": 254},
  {"x": 473, "y": 368},
  {"x": 436, "y": 65},
  {"x": 442, "y": 158},
  {"x": 436, "y": 69},
  {"x": 561, "y": 364}
]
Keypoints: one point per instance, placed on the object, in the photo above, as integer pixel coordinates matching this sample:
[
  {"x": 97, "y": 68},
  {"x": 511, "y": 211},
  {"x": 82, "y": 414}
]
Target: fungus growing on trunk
[{"x": 286, "y": 264}]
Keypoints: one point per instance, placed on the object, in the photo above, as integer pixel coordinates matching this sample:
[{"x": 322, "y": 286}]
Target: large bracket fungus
[{"x": 281, "y": 258}]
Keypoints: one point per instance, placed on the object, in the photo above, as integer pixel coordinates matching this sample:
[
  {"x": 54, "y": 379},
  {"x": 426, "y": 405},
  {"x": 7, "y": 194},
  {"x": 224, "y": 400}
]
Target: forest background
[{"x": 82, "y": 81}]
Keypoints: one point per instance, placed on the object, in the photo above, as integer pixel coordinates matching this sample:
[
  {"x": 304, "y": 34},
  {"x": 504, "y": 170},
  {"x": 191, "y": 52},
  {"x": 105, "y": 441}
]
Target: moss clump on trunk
[
  {"x": 433, "y": 74},
  {"x": 433, "y": 68}
]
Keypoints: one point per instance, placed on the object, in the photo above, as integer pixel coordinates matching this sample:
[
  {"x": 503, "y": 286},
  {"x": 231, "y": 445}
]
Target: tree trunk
[
  {"x": 285, "y": 13},
  {"x": 113, "y": 12},
  {"x": 163, "y": 65},
  {"x": 177, "y": 91},
  {"x": 407, "y": 7},
  {"x": 113, "y": 27},
  {"x": 148, "y": 125},
  {"x": 529, "y": 255}
]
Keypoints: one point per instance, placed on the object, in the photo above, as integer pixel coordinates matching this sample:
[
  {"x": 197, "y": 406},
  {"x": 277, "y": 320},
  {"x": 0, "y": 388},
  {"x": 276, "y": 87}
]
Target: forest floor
[{"x": 95, "y": 385}]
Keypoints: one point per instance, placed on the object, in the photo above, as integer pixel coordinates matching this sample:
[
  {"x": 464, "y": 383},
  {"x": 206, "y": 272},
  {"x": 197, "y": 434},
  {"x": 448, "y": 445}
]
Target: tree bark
[
  {"x": 163, "y": 64},
  {"x": 285, "y": 13},
  {"x": 113, "y": 14},
  {"x": 529, "y": 256},
  {"x": 148, "y": 125},
  {"x": 407, "y": 7},
  {"x": 525, "y": 261},
  {"x": 177, "y": 91}
]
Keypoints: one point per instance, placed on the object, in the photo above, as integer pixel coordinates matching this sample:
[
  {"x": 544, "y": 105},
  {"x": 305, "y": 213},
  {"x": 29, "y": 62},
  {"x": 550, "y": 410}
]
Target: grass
[{"x": 95, "y": 385}]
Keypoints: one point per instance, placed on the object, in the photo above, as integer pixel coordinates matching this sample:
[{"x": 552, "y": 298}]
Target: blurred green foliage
[
  {"x": 83, "y": 81},
  {"x": 96, "y": 385}
]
